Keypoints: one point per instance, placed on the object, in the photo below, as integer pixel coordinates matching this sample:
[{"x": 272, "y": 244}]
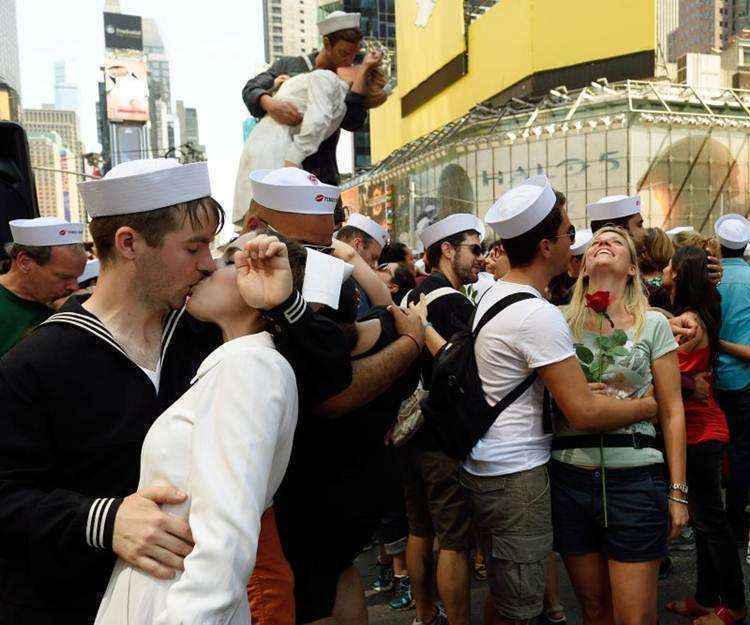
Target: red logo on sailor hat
[
  {"x": 324, "y": 198},
  {"x": 62, "y": 232},
  {"x": 638, "y": 202}
]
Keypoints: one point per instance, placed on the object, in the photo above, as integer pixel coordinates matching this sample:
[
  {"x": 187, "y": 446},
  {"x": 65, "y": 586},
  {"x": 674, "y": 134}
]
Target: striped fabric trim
[
  {"x": 89, "y": 324},
  {"x": 96, "y": 521},
  {"x": 296, "y": 309}
]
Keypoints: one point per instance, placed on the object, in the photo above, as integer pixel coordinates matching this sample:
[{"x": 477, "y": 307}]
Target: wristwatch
[{"x": 680, "y": 486}]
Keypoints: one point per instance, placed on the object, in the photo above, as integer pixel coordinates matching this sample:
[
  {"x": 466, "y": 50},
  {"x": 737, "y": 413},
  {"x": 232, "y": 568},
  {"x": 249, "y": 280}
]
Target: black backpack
[{"x": 456, "y": 410}]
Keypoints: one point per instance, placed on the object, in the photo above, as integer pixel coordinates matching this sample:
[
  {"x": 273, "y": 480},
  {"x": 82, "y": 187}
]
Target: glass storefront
[{"x": 687, "y": 168}]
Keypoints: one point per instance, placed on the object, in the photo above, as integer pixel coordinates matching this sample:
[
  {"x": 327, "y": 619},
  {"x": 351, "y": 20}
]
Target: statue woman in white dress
[
  {"x": 319, "y": 96},
  {"x": 226, "y": 443}
]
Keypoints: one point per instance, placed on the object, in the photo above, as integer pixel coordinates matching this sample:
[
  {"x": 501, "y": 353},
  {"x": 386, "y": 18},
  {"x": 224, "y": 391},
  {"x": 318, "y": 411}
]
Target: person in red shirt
[{"x": 719, "y": 595}]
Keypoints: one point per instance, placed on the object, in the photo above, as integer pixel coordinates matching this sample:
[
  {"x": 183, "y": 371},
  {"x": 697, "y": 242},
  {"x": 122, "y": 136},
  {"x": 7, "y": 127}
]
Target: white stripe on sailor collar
[{"x": 94, "y": 326}]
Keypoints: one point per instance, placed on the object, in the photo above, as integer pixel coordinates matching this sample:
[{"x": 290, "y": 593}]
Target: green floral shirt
[{"x": 631, "y": 374}]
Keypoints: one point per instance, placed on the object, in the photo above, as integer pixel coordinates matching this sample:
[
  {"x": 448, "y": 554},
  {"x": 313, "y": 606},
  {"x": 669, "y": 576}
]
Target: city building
[
  {"x": 67, "y": 97},
  {"x": 463, "y": 89},
  {"x": 667, "y": 21},
  {"x": 705, "y": 26},
  {"x": 702, "y": 71},
  {"x": 10, "y": 73},
  {"x": 735, "y": 62},
  {"x": 46, "y": 161},
  {"x": 189, "y": 136},
  {"x": 159, "y": 89},
  {"x": 289, "y": 28},
  {"x": 65, "y": 123},
  {"x": 378, "y": 22}
]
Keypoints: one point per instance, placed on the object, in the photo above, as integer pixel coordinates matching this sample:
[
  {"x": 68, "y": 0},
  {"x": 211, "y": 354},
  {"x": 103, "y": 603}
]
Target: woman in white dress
[
  {"x": 319, "y": 96},
  {"x": 226, "y": 443}
]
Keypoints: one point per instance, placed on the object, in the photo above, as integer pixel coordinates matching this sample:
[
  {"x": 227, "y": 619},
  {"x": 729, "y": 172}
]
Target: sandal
[
  {"x": 690, "y": 608},
  {"x": 721, "y": 615}
]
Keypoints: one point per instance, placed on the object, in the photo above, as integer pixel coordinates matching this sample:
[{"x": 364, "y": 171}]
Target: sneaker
[
  {"x": 403, "y": 599},
  {"x": 440, "y": 618},
  {"x": 685, "y": 541},
  {"x": 384, "y": 582}
]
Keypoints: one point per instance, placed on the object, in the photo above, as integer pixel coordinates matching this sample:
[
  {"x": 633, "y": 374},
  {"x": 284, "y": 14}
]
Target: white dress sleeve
[
  {"x": 326, "y": 95},
  {"x": 246, "y": 411}
]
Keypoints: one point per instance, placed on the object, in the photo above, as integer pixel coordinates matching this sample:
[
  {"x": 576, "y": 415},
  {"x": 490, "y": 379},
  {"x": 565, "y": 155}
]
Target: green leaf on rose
[
  {"x": 603, "y": 342},
  {"x": 585, "y": 355},
  {"x": 619, "y": 352},
  {"x": 587, "y": 373},
  {"x": 619, "y": 337}
]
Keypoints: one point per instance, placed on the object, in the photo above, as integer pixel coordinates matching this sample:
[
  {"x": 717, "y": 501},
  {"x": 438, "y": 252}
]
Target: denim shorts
[{"x": 637, "y": 512}]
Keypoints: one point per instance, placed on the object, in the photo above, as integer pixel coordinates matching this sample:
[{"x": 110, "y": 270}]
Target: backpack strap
[
  {"x": 498, "y": 307},
  {"x": 519, "y": 390},
  {"x": 430, "y": 297},
  {"x": 308, "y": 62}
]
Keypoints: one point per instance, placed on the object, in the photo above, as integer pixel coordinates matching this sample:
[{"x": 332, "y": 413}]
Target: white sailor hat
[
  {"x": 338, "y": 20},
  {"x": 450, "y": 225},
  {"x": 582, "y": 240},
  {"x": 673, "y": 232},
  {"x": 521, "y": 208},
  {"x": 368, "y": 226},
  {"x": 44, "y": 231},
  {"x": 145, "y": 185},
  {"x": 91, "y": 270},
  {"x": 613, "y": 207},
  {"x": 733, "y": 231},
  {"x": 293, "y": 190}
]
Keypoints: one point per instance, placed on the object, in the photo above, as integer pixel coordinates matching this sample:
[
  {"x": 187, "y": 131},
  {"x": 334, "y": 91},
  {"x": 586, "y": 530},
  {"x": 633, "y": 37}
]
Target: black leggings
[{"x": 719, "y": 569}]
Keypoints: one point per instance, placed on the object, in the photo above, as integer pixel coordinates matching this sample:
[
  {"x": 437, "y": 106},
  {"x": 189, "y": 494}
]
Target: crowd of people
[{"x": 200, "y": 436}]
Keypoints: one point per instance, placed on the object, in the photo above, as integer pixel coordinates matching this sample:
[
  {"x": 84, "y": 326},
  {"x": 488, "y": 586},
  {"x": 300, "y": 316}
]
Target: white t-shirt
[{"x": 525, "y": 336}]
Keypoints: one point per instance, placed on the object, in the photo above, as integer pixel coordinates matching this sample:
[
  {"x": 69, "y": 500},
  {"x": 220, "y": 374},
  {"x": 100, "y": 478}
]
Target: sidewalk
[{"x": 680, "y": 583}]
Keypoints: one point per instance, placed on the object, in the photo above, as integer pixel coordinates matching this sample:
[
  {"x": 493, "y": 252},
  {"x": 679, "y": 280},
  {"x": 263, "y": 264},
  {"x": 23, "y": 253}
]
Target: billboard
[
  {"x": 126, "y": 85},
  {"x": 123, "y": 32},
  {"x": 429, "y": 35}
]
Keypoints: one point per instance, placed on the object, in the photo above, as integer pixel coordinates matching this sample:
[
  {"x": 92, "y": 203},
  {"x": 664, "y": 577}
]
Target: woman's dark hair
[
  {"x": 394, "y": 252},
  {"x": 403, "y": 278},
  {"x": 695, "y": 292},
  {"x": 523, "y": 249}
]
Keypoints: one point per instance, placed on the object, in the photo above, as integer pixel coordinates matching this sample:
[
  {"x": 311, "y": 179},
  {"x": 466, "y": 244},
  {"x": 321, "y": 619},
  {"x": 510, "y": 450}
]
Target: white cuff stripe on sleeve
[
  {"x": 295, "y": 310},
  {"x": 96, "y": 521}
]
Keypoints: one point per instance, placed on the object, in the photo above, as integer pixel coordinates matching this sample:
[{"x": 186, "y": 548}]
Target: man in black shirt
[
  {"x": 69, "y": 452},
  {"x": 436, "y": 503}
]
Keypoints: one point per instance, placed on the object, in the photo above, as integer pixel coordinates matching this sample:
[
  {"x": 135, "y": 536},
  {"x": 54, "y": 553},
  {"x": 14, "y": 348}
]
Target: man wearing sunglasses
[{"x": 436, "y": 503}]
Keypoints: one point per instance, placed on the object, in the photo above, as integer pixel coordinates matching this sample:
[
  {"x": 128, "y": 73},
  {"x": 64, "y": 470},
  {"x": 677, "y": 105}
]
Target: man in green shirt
[{"x": 46, "y": 259}]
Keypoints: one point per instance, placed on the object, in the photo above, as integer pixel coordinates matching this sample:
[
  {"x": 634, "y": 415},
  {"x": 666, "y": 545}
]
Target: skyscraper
[
  {"x": 67, "y": 97},
  {"x": 10, "y": 74},
  {"x": 188, "y": 122},
  {"x": 667, "y": 21},
  {"x": 64, "y": 123},
  {"x": 704, "y": 26},
  {"x": 159, "y": 88},
  {"x": 289, "y": 27}
]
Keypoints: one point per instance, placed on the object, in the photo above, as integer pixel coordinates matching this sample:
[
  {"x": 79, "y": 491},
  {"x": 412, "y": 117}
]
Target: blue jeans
[{"x": 736, "y": 407}]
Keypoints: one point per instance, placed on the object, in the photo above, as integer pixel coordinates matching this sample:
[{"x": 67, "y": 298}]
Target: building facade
[
  {"x": 705, "y": 26},
  {"x": 290, "y": 27},
  {"x": 159, "y": 89},
  {"x": 45, "y": 149},
  {"x": 64, "y": 123},
  {"x": 685, "y": 152},
  {"x": 667, "y": 21},
  {"x": 67, "y": 97},
  {"x": 10, "y": 73},
  {"x": 187, "y": 119}
]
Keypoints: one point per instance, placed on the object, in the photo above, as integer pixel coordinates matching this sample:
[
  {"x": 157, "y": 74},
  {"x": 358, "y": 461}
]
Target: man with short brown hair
[{"x": 46, "y": 258}]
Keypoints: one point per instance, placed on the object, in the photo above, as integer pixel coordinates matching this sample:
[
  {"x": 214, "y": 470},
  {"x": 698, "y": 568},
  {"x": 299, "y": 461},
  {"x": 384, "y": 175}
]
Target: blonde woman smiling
[{"x": 614, "y": 503}]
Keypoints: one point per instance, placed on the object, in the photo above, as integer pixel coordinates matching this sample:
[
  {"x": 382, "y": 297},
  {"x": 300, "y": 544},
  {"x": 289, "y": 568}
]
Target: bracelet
[
  {"x": 677, "y": 500},
  {"x": 416, "y": 342},
  {"x": 426, "y": 325},
  {"x": 679, "y": 486}
]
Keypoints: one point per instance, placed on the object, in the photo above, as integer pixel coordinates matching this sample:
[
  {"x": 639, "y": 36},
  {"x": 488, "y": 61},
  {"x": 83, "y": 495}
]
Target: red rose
[{"x": 598, "y": 302}]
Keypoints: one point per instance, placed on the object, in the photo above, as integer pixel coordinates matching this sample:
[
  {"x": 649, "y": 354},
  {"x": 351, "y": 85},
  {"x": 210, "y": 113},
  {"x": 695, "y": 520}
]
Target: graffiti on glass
[{"x": 572, "y": 167}]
